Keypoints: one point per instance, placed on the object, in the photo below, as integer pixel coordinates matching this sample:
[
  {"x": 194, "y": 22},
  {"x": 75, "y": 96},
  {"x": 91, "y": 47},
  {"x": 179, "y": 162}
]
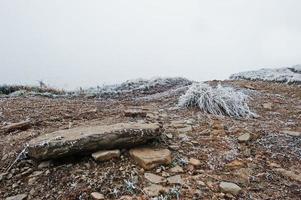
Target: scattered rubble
[{"x": 262, "y": 166}]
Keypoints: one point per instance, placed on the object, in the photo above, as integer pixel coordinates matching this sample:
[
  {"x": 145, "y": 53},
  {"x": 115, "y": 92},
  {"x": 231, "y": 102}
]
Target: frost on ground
[
  {"x": 281, "y": 146},
  {"x": 291, "y": 75},
  {"x": 219, "y": 100},
  {"x": 138, "y": 85}
]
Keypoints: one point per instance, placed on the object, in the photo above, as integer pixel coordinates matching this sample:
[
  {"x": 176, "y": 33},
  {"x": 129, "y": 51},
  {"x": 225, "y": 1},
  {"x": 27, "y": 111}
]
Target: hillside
[{"x": 212, "y": 157}]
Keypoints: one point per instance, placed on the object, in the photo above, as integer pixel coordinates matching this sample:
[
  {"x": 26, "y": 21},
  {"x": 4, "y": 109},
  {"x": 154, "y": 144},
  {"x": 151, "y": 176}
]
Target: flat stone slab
[
  {"x": 82, "y": 140},
  {"x": 149, "y": 158}
]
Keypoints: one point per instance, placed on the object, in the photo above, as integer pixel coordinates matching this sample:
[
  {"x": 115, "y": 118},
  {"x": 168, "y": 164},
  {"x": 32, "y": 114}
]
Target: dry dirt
[{"x": 256, "y": 165}]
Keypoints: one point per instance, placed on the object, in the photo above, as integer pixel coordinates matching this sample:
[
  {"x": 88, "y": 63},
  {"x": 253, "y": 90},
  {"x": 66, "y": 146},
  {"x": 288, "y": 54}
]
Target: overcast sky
[{"x": 72, "y": 43}]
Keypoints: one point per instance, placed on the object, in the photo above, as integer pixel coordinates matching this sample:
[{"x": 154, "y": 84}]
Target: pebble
[
  {"x": 44, "y": 164},
  {"x": 229, "y": 187},
  {"x": 97, "y": 196},
  {"x": 194, "y": 162},
  {"x": 244, "y": 137}
]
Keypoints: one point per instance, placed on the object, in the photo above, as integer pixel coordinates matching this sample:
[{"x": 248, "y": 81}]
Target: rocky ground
[{"x": 197, "y": 155}]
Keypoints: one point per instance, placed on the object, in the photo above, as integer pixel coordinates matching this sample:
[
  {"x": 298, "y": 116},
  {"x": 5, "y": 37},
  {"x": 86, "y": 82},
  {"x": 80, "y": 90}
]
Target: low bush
[{"x": 219, "y": 100}]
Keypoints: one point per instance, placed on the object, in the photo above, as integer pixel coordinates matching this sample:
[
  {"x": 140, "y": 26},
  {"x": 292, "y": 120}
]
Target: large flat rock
[{"x": 87, "y": 139}]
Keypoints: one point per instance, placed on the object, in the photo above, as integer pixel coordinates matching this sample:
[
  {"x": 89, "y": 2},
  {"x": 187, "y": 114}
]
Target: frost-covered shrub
[
  {"x": 219, "y": 100},
  {"x": 19, "y": 90},
  {"x": 290, "y": 75},
  {"x": 138, "y": 85}
]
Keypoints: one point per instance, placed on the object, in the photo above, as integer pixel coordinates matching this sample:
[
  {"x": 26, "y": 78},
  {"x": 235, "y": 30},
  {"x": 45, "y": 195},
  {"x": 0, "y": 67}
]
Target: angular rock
[
  {"x": 177, "y": 169},
  {"x": 17, "y": 197},
  {"x": 97, "y": 196},
  {"x": 23, "y": 125},
  {"x": 150, "y": 158},
  {"x": 231, "y": 188},
  {"x": 84, "y": 140},
  {"x": 244, "y": 137},
  {"x": 153, "y": 178},
  {"x": 175, "y": 180},
  {"x": 155, "y": 190},
  {"x": 106, "y": 155}
]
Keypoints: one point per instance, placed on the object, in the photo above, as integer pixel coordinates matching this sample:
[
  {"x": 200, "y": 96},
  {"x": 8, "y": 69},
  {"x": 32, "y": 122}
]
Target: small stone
[
  {"x": 289, "y": 174},
  {"x": 194, "y": 162},
  {"x": 155, "y": 190},
  {"x": 185, "y": 130},
  {"x": 173, "y": 147},
  {"x": 32, "y": 180},
  {"x": 97, "y": 196},
  {"x": 32, "y": 191},
  {"x": 244, "y": 137},
  {"x": 231, "y": 188},
  {"x": 267, "y": 106},
  {"x": 106, "y": 155},
  {"x": 153, "y": 178},
  {"x": 150, "y": 158},
  {"x": 292, "y": 133},
  {"x": 274, "y": 165},
  {"x": 165, "y": 174},
  {"x": 201, "y": 183},
  {"x": 235, "y": 164},
  {"x": 175, "y": 180},
  {"x": 36, "y": 173},
  {"x": 2, "y": 176},
  {"x": 169, "y": 135},
  {"x": 244, "y": 174},
  {"x": 176, "y": 169},
  {"x": 4, "y": 157},
  {"x": 17, "y": 197},
  {"x": 44, "y": 164}
]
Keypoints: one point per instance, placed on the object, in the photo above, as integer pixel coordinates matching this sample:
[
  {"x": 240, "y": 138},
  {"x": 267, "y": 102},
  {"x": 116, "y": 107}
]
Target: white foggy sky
[{"x": 72, "y": 43}]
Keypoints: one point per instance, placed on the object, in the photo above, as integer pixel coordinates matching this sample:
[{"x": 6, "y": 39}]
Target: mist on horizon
[{"x": 71, "y": 44}]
